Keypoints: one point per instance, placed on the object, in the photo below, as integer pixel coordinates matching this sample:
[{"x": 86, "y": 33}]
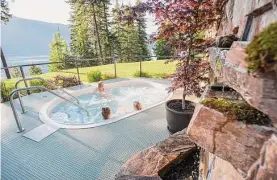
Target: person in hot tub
[
  {"x": 101, "y": 86},
  {"x": 137, "y": 105},
  {"x": 101, "y": 90},
  {"x": 106, "y": 113}
]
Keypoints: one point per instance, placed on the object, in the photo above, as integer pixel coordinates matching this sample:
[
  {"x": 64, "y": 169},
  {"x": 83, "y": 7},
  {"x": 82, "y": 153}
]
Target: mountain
[{"x": 25, "y": 37}]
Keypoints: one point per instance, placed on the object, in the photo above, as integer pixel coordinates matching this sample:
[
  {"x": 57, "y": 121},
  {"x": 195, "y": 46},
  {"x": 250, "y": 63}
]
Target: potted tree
[
  {"x": 180, "y": 111},
  {"x": 183, "y": 24}
]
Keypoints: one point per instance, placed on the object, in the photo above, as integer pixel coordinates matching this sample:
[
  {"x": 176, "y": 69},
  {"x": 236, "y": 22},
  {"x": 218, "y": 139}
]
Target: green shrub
[
  {"x": 162, "y": 75},
  {"x": 15, "y": 73},
  {"x": 94, "y": 76},
  {"x": 4, "y": 92},
  {"x": 36, "y": 82},
  {"x": 60, "y": 81},
  {"x": 262, "y": 51},
  {"x": 65, "y": 81},
  {"x": 49, "y": 86},
  {"x": 142, "y": 74},
  {"x": 35, "y": 70},
  {"x": 238, "y": 110},
  {"x": 107, "y": 76}
]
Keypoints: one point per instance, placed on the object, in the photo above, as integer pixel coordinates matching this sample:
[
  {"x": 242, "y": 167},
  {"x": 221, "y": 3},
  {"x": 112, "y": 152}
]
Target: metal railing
[
  {"x": 71, "y": 64},
  {"x": 40, "y": 78},
  {"x": 78, "y": 62},
  {"x": 11, "y": 97}
]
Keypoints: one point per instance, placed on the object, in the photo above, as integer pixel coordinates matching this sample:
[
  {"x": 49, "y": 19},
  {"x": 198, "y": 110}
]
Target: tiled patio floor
[{"x": 95, "y": 153}]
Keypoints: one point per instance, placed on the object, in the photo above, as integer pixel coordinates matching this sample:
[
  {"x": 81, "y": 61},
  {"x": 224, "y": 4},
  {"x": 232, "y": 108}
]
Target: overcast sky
[{"x": 57, "y": 11}]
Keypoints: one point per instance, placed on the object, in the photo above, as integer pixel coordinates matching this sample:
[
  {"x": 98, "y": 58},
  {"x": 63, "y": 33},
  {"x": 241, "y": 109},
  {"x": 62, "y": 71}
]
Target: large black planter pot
[{"x": 176, "y": 120}]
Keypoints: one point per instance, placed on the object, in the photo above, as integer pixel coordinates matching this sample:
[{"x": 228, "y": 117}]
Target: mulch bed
[{"x": 184, "y": 169}]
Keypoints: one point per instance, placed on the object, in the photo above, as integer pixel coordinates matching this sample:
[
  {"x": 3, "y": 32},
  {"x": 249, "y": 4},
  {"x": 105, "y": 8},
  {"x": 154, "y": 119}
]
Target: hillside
[{"x": 24, "y": 37}]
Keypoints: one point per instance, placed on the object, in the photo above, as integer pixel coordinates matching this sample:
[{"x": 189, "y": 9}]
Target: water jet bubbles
[
  {"x": 119, "y": 100},
  {"x": 60, "y": 116}
]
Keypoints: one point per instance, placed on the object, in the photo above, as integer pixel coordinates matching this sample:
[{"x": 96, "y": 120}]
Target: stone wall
[
  {"x": 236, "y": 15},
  {"x": 220, "y": 169}
]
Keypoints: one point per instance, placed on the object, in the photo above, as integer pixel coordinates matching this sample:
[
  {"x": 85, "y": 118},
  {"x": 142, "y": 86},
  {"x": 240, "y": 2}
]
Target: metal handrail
[
  {"x": 39, "y": 78},
  {"x": 80, "y": 60},
  {"x": 20, "y": 128}
]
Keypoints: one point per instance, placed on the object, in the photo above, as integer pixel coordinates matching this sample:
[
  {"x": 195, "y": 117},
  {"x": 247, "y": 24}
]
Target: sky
[{"x": 57, "y": 11}]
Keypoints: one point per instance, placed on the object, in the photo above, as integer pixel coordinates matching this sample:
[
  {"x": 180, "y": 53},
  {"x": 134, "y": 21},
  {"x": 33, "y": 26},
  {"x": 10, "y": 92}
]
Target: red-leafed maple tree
[{"x": 184, "y": 23}]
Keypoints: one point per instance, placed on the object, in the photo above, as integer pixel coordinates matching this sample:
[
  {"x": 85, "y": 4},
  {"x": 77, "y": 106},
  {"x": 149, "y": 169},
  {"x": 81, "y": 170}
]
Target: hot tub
[{"x": 118, "y": 96}]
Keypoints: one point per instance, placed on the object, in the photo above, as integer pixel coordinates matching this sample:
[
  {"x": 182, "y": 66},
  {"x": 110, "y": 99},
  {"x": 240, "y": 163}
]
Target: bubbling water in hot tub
[{"x": 120, "y": 100}]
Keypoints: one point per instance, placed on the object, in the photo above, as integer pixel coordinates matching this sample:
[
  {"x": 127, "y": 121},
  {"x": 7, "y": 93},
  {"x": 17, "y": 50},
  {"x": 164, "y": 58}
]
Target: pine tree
[
  {"x": 161, "y": 49},
  {"x": 58, "y": 52},
  {"x": 128, "y": 41},
  {"x": 93, "y": 11},
  {"x": 5, "y": 11},
  {"x": 93, "y": 36},
  {"x": 116, "y": 30},
  {"x": 131, "y": 35},
  {"x": 142, "y": 43},
  {"x": 103, "y": 27},
  {"x": 90, "y": 34},
  {"x": 81, "y": 43},
  {"x": 108, "y": 34}
]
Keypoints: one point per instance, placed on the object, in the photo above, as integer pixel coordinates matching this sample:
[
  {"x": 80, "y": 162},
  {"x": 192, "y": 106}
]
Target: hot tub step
[{"x": 41, "y": 132}]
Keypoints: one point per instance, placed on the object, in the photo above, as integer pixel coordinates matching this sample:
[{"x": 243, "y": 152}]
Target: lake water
[{"x": 21, "y": 60}]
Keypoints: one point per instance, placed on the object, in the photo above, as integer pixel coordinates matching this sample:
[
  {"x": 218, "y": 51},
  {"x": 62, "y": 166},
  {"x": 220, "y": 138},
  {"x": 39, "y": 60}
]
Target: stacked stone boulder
[
  {"x": 259, "y": 90},
  {"x": 147, "y": 163}
]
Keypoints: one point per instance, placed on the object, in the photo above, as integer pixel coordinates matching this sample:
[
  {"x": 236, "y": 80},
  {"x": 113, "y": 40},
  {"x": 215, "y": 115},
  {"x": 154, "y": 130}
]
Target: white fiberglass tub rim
[{"x": 48, "y": 107}]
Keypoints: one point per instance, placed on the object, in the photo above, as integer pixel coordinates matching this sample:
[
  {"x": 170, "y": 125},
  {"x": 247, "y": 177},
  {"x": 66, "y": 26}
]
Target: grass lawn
[{"x": 154, "y": 68}]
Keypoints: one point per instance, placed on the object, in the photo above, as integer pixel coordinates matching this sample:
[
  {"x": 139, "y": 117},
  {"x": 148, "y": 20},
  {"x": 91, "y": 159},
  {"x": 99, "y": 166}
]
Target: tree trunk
[
  {"x": 107, "y": 29},
  {"x": 97, "y": 33},
  {"x": 184, "y": 99}
]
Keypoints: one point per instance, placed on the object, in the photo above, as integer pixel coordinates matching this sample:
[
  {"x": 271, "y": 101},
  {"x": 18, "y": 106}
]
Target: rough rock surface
[
  {"x": 237, "y": 54},
  {"x": 221, "y": 169},
  {"x": 266, "y": 166},
  {"x": 259, "y": 91},
  {"x": 217, "y": 55},
  {"x": 130, "y": 177},
  {"x": 217, "y": 58},
  {"x": 231, "y": 140},
  {"x": 150, "y": 161},
  {"x": 236, "y": 16},
  {"x": 228, "y": 94}
]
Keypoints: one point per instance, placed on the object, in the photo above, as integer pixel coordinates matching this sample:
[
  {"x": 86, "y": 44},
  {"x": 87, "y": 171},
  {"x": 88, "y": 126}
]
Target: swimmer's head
[{"x": 101, "y": 86}]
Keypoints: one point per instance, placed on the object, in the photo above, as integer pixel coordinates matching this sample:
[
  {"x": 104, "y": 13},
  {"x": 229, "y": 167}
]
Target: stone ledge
[
  {"x": 266, "y": 166},
  {"x": 231, "y": 140},
  {"x": 227, "y": 93},
  {"x": 221, "y": 169},
  {"x": 132, "y": 177},
  {"x": 217, "y": 58},
  {"x": 259, "y": 91},
  {"x": 148, "y": 163}
]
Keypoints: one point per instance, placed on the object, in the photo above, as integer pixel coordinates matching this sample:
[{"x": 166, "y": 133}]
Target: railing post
[
  {"x": 18, "y": 123},
  {"x": 7, "y": 72},
  {"x": 78, "y": 73},
  {"x": 115, "y": 60},
  {"x": 23, "y": 76},
  {"x": 140, "y": 67}
]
